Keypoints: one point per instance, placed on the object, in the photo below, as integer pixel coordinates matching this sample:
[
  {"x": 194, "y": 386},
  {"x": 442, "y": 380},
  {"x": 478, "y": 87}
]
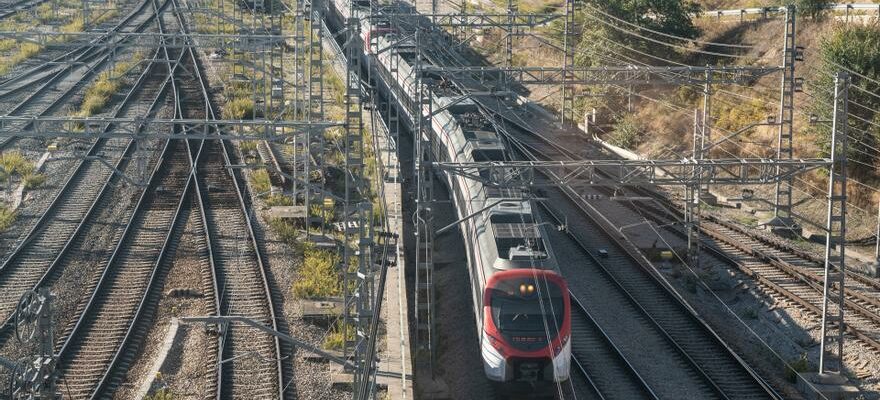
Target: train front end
[{"x": 526, "y": 327}]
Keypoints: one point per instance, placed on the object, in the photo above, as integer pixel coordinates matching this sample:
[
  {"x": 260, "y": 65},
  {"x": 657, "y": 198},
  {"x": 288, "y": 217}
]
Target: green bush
[
  {"x": 247, "y": 145},
  {"x": 285, "y": 230},
  {"x": 15, "y": 163},
  {"x": 812, "y": 8},
  {"x": 74, "y": 26},
  {"x": 318, "y": 275},
  {"x": 627, "y": 132},
  {"x": 737, "y": 115},
  {"x": 260, "y": 181},
  {"x": 857, "y": 48},
  {"x": 278, "y": 200},
  {"x": 337, "y": 88},
  {"x": 335, "y": 339},
  {"x": 108, "y": 83},
  {"x": 795, "y": 367},
  {"x": 7, "y": 217},
  {"x": 239, "y": 108},
  {"x": 161, "y": 394},
  {"x": 32, "y": 180}
]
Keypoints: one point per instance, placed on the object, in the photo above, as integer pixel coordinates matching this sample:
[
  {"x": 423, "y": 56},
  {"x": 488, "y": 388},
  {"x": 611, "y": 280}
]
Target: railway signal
[{"x": 33, "y": 376}]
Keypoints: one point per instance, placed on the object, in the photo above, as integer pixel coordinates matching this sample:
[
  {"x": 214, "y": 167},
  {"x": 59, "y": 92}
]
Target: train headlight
[{"x": 526, "y": 289}]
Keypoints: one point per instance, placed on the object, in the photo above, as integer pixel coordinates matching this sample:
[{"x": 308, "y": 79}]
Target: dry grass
[
  {"x": 25, "y": 51},
  {"x": 108, "y": 83},
  {"x": 260, "y": 181},
  {"x": 7, "y": 217},
  {"x": 733, "y": 4},
  {"x": 318, "y": 276},
  {"x": 335, "y": 339}
]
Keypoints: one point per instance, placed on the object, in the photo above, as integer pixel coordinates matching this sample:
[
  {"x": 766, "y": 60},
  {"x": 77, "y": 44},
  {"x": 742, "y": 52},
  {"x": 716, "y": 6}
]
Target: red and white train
[{"x": 521, "y": 303}]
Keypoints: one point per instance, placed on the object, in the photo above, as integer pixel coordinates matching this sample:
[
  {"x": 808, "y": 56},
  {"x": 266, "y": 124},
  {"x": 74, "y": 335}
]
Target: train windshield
[{"x": 525, "y": 311}]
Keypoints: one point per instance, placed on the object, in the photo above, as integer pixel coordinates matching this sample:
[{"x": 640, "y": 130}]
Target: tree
[
  {"x": 857, "y": 48},
  {"x": 812, "y": 8},
  {"x": 667, "y": 16},
  {"x": 605, "y": 41}
]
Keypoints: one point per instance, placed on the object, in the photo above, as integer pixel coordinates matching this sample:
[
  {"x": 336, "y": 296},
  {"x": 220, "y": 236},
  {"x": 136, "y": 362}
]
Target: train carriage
[{"x": 521, "y": 303}]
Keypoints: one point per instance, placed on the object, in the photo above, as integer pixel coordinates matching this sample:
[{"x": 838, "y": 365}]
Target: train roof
[
  {"x": 457, "y": 105},
  {"x": 517, "y": 235},
  {"x": 483, "y": 140}
]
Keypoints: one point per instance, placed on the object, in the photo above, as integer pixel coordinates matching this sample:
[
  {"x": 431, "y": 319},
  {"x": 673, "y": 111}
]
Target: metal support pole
[
  {"x": 706, "y": 124},
  {"x": 877, "y": 237},
  {"x": 424, "y": 291},
  {"x": 299, "y": 58},
  {"x": 567, "y": 116},
  {"x": 357, "y": 221},
  {"x": 692, "y": 196},
  {"x": 314, "y": 107},
  {"x": 511, "y": 11},
  {"x": 783, "y": 217},
  {"x": 833, "y": 324},
  {"x": 461, "y": 29}
]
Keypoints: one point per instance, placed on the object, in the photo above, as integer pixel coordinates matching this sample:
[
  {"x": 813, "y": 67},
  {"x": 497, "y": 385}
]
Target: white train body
[{"x": 521, "y": 303}]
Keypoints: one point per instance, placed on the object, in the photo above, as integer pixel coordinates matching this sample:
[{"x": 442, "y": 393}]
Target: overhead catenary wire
[
  {"x": 641, "y": 95},
  {"x": 680, "y": 108},
  {"x": 671, "y": 36},
  {"x": 758, "y": 99},
  {"x": 660, "y": 42},
  {"x": 499, "y": 129}
]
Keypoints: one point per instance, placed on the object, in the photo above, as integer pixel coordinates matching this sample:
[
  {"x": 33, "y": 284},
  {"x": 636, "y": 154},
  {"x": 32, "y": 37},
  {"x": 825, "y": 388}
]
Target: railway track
[
  {"x": 786, "y": 274},
  {"x": 715, "y": 370},
  {"x": 23, "y": 81},
  {"x": 55, "y": 92},
  {"x": 35, "y": 260},
  {"x": 59, "y": 86},
  {"x": 789, "y": 274},
  {"x": 103, "y": 343},
  {"x": 9, "y": 9},
  {"x": 600, "y": 361},
  {"x": 253, "y": 366}
]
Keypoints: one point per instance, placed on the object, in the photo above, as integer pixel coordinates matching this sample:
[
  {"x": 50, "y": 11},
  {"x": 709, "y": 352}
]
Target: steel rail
[
  {"x": 42, "y": 228},
  {"x": 675, "y": 342},
  {"x": 610, "y": 356},
  {"x": 19, "y": 5},
  {"x": 58, "y": 101},
  {"x": 586, "y": 374},
  {"x": 782, "y": 246},
  {"x": 679, "y": 342},
  {"x": 110, "y": 276},
  {"x": 59, "y": 76},
  {"x": 209, "y": 274},
  {"x": 752, "y": 251},
  {"x": 727, "y": 246},
  {"x": 224, "y": 271},
  {"x": 150, "y": 299},
  {"x": 47, "y": 218},
  {"x": 66, "y": 60},
  {"x": 9, "y": 266},
  {"x": 635, "y": 254}
]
